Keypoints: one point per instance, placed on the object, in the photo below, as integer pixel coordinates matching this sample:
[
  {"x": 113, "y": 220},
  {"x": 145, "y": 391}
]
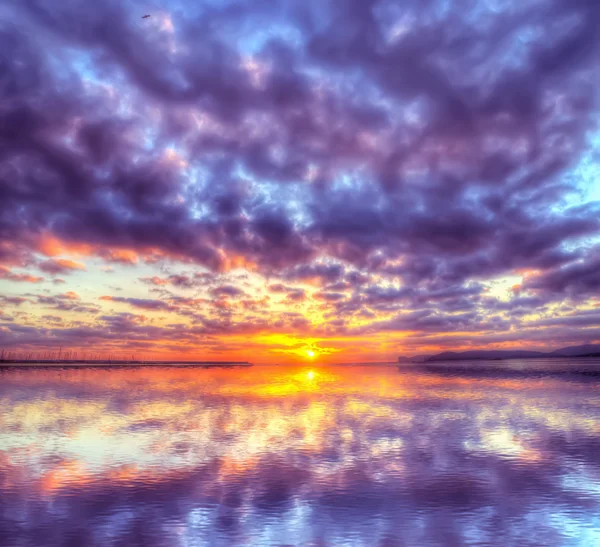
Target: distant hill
[
  {"x": 588, "y": 350},
  {"x": 574, "y": 351},
  {"x": 483, "y": 354},
  {"x": 413, "y": 358}
]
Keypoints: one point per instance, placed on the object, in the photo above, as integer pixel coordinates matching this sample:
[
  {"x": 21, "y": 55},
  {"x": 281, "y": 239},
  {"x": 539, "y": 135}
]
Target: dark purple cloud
[
  {"x": 321, "y": 273},
  {"x": 14, "y": 300},
  {"x": 576, "y": 279},
  {"x": 141, "y": 303},
  {"x": 69, "y": 301},
  {"x": 329, "y": 296},
  {"x": 181, "y": 281},
  {"x": 226, "y": 291}
]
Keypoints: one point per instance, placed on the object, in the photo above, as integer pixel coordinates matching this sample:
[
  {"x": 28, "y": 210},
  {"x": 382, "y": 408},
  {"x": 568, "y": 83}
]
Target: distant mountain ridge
[
  {"x": 574, "y": 351},
  {"x": 587, "y": 350}
]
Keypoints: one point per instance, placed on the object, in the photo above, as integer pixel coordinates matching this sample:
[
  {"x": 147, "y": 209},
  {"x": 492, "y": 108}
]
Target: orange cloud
[
  {"x": 52, "y": 246},
  {"x": 55, "y": 266},
  {"x": 121, "y": 256},
  {"x": 154, "y": 280}
]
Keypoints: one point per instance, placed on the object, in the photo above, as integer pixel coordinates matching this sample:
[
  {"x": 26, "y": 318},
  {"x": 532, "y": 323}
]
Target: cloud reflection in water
[{"x": 296, "y": 456}]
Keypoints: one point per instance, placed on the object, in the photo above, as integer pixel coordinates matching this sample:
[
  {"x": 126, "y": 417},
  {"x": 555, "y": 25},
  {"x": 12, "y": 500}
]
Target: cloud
[
  {"x": 397, "y": 160},
  {"x": 9, "y": 275},
  {"x": 70, "y": 295},
  {"x": 181, "y": 281},
  {"x": 279, "y": 288},
  {"x": 55, "y": 266},
  {"x": 52, "y": 318},
  {"x": 318, "y": 273},
  {"x": 155, "y": 280},
  {"x": 14, "y": 300},
  {"x": 120, "y": 256},
  {"x": 293, "y": 294},
  {"x": 576, "y": 279},
  {"x": 225, "y": 291},
  {"x": 141, "y": 303},
  {"x": 329, "y": 296},
  {"x": 68, "y": 301}
]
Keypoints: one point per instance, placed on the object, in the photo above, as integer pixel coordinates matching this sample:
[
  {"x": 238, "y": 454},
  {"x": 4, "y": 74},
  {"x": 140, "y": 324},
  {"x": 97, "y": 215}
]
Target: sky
[{"x": 280, "y": 181}]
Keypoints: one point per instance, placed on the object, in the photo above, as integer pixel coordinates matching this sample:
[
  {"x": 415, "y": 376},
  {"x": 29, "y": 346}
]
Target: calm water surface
[{"x": 339, "y": 456}]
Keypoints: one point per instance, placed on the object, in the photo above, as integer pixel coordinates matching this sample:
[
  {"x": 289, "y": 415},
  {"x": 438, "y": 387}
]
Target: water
[{"x": 340, "y": 456}]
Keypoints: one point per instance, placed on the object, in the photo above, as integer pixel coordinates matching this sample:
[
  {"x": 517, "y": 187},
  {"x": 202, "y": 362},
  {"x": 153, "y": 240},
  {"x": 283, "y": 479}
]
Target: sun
[{"x": 310, "y": 353}]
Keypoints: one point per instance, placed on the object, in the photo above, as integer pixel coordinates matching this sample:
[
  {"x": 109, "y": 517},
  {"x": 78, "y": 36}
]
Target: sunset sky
[{"x": 285, "y": 181}]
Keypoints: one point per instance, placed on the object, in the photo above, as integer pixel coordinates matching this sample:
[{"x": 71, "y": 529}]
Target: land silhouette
[{"x": 587, "y": 350}]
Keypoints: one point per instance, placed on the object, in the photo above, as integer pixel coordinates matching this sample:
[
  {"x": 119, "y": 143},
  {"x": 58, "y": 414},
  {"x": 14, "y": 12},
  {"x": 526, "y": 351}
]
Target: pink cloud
[
  {"x": 55, "y": 266},
  {"x": 8, "y": 274},
  {"x": 154, "y": 280}
]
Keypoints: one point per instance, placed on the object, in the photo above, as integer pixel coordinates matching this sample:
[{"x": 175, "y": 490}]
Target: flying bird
[{"x": 145, "y": 17}]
